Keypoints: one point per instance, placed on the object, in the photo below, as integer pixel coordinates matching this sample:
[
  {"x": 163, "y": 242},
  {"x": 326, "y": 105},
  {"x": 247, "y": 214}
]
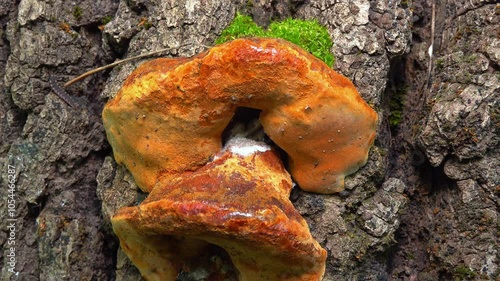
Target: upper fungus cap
[{"x": 169, "y": 115}]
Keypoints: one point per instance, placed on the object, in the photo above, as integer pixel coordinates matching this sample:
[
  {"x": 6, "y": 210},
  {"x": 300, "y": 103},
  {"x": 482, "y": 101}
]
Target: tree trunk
[{"x": 424, "y": 207}]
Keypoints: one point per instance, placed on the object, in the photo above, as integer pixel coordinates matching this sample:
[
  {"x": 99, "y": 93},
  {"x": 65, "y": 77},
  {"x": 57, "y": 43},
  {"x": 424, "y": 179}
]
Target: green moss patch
[
  {"x": 463, "y": 273},
  {"x": 77, "y": 12},
  {"x": 308, "y": 34}
]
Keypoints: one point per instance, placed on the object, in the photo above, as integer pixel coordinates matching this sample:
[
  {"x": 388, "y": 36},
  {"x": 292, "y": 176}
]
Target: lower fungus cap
[
  {"x": 169, "y": 115},
  {"x": 238, "y": 202}
]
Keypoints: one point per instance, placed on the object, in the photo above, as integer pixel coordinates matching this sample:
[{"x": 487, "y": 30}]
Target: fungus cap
[
  {"x": 169, "y": 115},
  {"x": 238, "y": 202}
]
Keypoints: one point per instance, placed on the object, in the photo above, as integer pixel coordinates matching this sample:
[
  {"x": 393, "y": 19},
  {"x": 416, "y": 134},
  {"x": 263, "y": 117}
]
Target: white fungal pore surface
[{"x": 245, "y": 147}]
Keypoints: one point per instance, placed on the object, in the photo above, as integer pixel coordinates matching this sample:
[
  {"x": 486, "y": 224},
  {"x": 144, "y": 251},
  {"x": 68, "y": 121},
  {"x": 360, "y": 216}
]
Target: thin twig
[
  {"x": 88, "y": 73},
  {"x": 431, "y": 47},
  {"x": 62, "y": 94}
]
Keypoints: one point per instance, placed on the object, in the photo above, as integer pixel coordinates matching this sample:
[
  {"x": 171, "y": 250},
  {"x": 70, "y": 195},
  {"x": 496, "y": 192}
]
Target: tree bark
[{"x": 424, "y": 207}]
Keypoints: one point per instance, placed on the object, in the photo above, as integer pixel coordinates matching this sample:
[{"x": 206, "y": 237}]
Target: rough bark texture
[
  {"x": 451, "y": 115},
  {"x": 425, "y": 207}
]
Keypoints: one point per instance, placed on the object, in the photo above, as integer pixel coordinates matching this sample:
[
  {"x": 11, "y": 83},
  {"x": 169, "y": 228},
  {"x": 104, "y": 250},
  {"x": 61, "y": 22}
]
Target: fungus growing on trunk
[
  {"x": 169, "y": 115},
  {"x": 166, "y": 124},
  {"x": 238, "y": 202}
]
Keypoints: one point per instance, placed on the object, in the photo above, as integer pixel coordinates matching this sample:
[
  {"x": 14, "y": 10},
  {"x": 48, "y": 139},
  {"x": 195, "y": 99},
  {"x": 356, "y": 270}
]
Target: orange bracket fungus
[
  {"x": 166, "y": 123},
  {"x": 169, "y": 115}
]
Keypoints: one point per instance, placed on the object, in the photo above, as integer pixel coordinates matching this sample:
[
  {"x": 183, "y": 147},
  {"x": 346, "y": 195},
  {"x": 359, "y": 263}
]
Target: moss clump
[
  {"x": 463, "y": 273},
  {"x": 77, "y": 12},
  {"x": 396, "y": 107},
  {"x": 440, "y": 64},
  {"x": 309, "y": 35},
  {"x": 242, "y": 26},
  {"x": 105, "y": 20},
  {"x": 147, "y": 25}
]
